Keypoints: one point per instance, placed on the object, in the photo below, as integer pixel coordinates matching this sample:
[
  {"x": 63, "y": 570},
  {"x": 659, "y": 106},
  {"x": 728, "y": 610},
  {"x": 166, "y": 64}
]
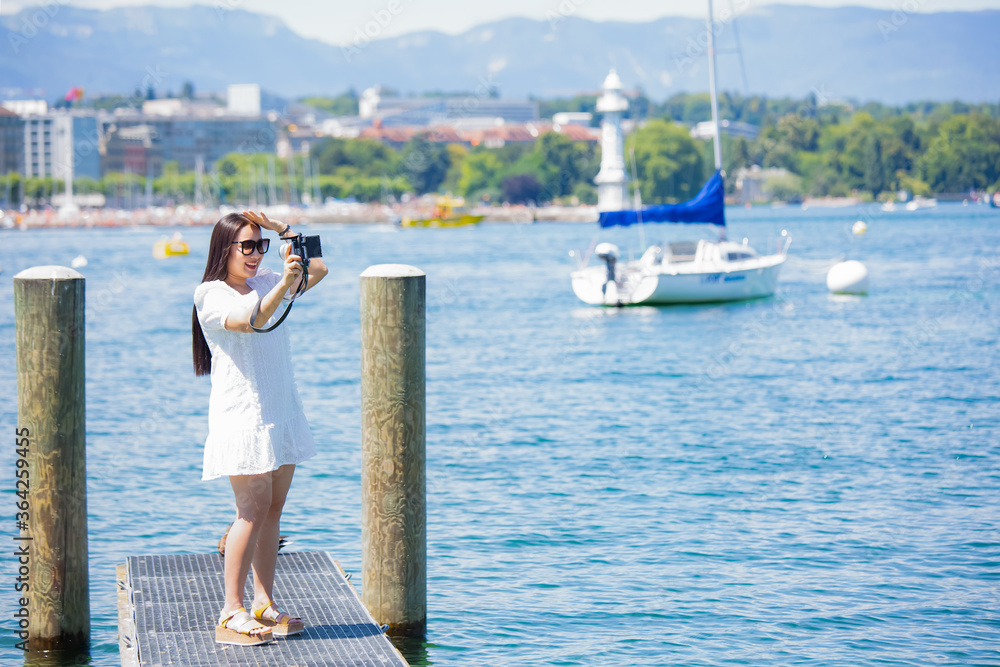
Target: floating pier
[{"x": 168, "y": 607}]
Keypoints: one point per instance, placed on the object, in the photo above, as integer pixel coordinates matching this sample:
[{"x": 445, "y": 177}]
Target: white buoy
[
  {"x": 850, "y": 277},
  {"x": 859, "y": 227},
  {"x": 78, "y": 262}
]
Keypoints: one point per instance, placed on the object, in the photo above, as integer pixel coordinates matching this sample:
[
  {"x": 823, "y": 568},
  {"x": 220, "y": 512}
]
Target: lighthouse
[{"x": 611, "y": 180}]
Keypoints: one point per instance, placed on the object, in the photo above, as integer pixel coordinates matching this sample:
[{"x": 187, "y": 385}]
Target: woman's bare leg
[
  {"x": 266, "y": 554},
  {"x": 253, "y": 498}
]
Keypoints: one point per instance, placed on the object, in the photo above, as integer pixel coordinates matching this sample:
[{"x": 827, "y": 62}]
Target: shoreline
[{"x": 347, "y": 213}]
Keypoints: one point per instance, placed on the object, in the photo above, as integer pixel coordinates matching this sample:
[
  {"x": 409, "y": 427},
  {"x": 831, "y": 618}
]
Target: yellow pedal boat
[
  {"x": 448, "y": 212},
  {"x": 174, "y": 247}
]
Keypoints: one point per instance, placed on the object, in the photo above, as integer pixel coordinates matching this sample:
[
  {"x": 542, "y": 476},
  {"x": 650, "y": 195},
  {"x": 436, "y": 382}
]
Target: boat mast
[{"x": 711, "y": 86}]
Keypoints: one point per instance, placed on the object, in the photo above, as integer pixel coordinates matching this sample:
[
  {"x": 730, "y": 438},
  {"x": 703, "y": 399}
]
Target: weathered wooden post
[
  {"x": 49, "y": 332},
  {"x": 393, "y": 513}
]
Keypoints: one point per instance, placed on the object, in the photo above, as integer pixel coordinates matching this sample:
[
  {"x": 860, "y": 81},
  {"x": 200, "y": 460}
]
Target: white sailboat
[{"x": 688, "y": 272}]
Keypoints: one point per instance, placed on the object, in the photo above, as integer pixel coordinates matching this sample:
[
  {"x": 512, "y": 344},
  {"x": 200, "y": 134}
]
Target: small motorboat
[
  {"x": 173, "y": 247},
  {"x": 919, "y": 202},
  {"x": 448, "y": 212}
]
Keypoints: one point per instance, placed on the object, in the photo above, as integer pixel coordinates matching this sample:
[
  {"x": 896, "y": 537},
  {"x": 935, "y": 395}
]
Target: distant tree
[
  {"x": 586, "y": 193},
  {"x": 456, "y": 156},
  {"x": 669, "y": 164},
  {"x": 480, "y": 170},
  {"x": 786, "y": 187},
  {"x": 697, "y": 108},
  {"x": 187, "y": 90},
  {"x": 521, "y": 188},
  {"x": 639, "y": 105},
  {"x": 800, "y": 133},
  {"x": 741, "y": 154},
  {"x": 584, "y": 103},
  {"x": 342, "y": 105},
  {"x": 965, "y": 154},
  {"x": 563, "y": 163},
  {"x": 424, "y": 163},
  {"x": 874, "y": 177},
  {"x": 363, "y": 156}
]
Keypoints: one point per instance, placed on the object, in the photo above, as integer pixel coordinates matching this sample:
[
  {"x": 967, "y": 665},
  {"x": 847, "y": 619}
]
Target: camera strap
[{"x": 303, "y": 285}]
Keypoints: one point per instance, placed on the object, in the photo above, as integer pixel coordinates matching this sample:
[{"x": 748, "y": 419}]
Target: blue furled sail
[{"x": 707, "y": 207}]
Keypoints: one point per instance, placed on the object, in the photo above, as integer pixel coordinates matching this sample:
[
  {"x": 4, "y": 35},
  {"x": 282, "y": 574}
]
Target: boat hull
[
  {"x": 458, "y": 221},
  {"x": 164, "y": 249},
  {"x": 638, "y": 286}
]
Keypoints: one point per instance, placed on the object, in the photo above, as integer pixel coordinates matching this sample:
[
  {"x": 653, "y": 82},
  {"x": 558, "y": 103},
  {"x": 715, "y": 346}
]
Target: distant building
[
  {"x": 184, "y": 139},
  {"x": 243, "y": 99},
  {"x": 62, "y": 144},
  {"x": 399, "y": 111},
  {"x": 410, "y": 112},
  {"x": 26, "y": 107},
  {"x": 166, "y": 107},
  {"x": 136, "y": 149},
  {"x": 247, "y": 99},
  {"x": 511, "y": 111},
  {"x": 488, "y": 134},
  {"x": 706, "y": 129},
  {"x": 344, "y": 127},
  {"x": 11, "y": 142},
  {"x": 426, "y": 111},
  {"x": 573, "y": 118}
]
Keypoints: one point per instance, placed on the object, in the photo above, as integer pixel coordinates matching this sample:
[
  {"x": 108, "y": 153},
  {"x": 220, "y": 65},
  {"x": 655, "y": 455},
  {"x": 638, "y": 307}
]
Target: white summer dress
[{"x": 255, "y": 418}]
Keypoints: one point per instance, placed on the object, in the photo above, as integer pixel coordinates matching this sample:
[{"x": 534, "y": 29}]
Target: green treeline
[
  {"x": 859, "y": 154},
  {"x": 550, "y": 168},
  {"x": 829, "y": 150},
  {"x": 833, "y": 149}
]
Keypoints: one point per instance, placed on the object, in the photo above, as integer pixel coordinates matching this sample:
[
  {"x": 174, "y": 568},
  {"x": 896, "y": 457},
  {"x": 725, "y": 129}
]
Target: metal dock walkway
[{"x": 168, "y": 606}]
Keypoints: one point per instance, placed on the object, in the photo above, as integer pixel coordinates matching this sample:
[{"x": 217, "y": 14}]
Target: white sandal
[
  {"x": 282, "y": 623},
  {"x": 238, "y": 628}
]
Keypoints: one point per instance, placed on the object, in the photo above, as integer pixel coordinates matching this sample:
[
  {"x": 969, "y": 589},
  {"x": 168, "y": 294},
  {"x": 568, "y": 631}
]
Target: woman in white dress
[{"x": 257, "y": 431}]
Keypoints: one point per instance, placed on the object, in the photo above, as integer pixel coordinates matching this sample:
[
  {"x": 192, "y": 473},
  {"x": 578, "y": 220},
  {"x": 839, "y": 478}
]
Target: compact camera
[{"x": 306, "y": 247}]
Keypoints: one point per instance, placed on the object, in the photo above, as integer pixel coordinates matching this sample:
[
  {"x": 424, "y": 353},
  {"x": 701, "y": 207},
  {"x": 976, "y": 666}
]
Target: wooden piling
[
  {"x": 49, "y": 332},
  {"x": 393, "y": 486}
]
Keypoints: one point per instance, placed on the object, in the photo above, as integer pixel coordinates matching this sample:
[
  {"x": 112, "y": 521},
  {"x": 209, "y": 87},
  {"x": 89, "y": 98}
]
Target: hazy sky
[{"x": 336, "y": 22}]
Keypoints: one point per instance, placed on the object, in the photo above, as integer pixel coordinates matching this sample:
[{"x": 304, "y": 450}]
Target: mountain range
[{"x": 843, "y": 53}]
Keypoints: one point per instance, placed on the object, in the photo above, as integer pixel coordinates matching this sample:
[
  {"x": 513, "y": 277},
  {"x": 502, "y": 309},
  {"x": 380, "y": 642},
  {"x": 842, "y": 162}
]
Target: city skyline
[{"x": 321, "y": 20}]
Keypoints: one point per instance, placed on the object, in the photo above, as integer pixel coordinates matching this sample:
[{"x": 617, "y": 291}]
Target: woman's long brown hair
[{"x": 225, "y": 232}]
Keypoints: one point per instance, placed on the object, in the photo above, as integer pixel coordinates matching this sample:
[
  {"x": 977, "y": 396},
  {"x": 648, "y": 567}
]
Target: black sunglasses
[{"x": 246, "y": 247}]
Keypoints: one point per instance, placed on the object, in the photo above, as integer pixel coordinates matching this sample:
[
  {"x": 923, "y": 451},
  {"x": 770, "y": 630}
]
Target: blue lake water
[{"x": 801, "y": 479}]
